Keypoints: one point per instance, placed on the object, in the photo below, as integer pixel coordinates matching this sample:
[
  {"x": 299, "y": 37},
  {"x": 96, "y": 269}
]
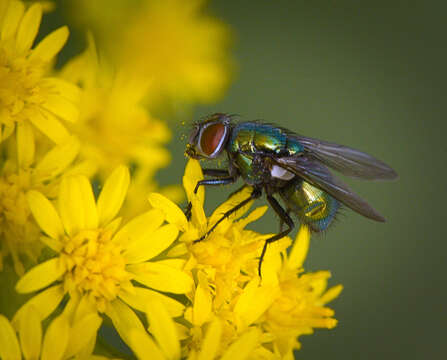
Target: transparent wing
[
  {"x": 348, "y": 161},
  {"x": 318, "y": 175}
]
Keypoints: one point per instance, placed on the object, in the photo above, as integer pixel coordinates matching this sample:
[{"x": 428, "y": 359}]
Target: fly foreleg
[
  {"x": 222, "y": 177},
  {"x": 285, "y": 217}
]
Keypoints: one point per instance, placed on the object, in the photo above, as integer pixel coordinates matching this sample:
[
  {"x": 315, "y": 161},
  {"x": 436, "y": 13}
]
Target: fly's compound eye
[{"x": 212, "y": 139}]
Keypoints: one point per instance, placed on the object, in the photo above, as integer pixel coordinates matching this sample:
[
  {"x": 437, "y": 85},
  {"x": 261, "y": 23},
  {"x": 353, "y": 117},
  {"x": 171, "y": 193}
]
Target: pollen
[{"x": 95, "y": 266}]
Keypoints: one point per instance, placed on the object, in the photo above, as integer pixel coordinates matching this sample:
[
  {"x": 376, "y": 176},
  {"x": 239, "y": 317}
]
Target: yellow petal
[
  {"x": 84, "y": 167},
  {"x": 50, "y": 126},
  {"x": 63, "y": 88},
  {"x": 53, "y": 244},
  {"x": 178, "y": 250},
  {"x": 81, "y": 333},
  {"x": 160, "y": 276},
  {"x": 87, "y": 351},
  {"x": 140, "y": 297},
  {"x": 124, "y": 319},
  {"x": 139, "y": 227},
  {"x": 202, "y": 302},
  {"x": 229, "y": 204},
  {"x": 242, "y": 348},
  {"x": 25, "y": 144},
  {"x": 193, "y": 174},
  {"x": 331, "y": 294},
  {"x": 173, "y": 213},
  {"x": 45, "y": 302},
  {"x": 61, "y": 107},
  {"x": 56, "y": 160},
  {"x": 28, "y": 28},
  {"x": 83, "y": 307},
  {"x": 113, "y": 226},
  {"x": 50, "y": 45},
  {"x": 198, "y": 214},
  {"x": 253, "y": 216},
  {"x": 163, "y": 329},
  {"x": 6, "y": 130},
  {"x": 9, "y": 346},
  {"x": 113, "y": 194},
  {"x": 45, "y": 214},
  {"x": 193, "y": 355},
  {"x": 40, "y": 276},
  {"x": 56, "y": 339},
  {"x": 271, "y": 266},
  {"x": 300, "y": 248},
  {"x": 77, "y": 204},
  {"x": 319, "y": 281},
  {"x": 30, "y": 332},
  {"x": 253, "y": 302},
  {"x": 150, "y": 246},
  {"x": 211, "y": 342},
  {"x": 12, "y": 18},
  {"x": 143, "y": 346}
]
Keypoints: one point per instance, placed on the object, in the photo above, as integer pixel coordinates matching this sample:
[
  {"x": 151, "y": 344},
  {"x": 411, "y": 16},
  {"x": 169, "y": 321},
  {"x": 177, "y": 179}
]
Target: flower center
[
  {"x": 14, "y": 209},
  {"x": 19, "y": 233},
  {"x": 95, "y": 266},
  {"x": 19, "y": 86}
]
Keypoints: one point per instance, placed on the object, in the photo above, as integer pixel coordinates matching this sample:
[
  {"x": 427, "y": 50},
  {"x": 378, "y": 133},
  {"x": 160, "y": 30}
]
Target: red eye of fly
[{"x": 211, "y": 137}]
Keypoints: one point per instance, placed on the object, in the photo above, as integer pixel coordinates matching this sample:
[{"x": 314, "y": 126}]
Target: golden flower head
[
  {"x": 68, "y": 336},
  {"x": 97, "y": 261},
  {"x": 114, "y": 126},
  {"x": 19, "y": 234},
  {"x": 30, "y": 100},
  {"x": 229, "y": 300},
  {"x": 173, "y": 44}
]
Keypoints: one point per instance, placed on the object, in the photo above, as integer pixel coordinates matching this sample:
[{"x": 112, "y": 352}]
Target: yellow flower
[
  {"x": 73, "y": 335},
  {"x": 115, "y": 128},
  {"x": 29, "y": 99},
  {"x": 97, "y": 261},
  {"x": 67, "y": 336},
  {"x": 296, "y": 307},
  {"x": 19, "y": 234},
  {"x": 285, "y": 304},
  {"x": 181, "y": 51},
  {"x": 241, "y": 349}
]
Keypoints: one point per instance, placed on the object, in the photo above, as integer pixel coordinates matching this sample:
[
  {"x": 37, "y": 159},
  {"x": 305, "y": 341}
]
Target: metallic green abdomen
[{"x": 313, "y": 206}]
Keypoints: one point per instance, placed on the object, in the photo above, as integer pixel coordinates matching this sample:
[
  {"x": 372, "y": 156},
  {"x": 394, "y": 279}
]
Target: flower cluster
[
  {"x": 92, "y": 240},
  {"x": 229, "y": 301}
]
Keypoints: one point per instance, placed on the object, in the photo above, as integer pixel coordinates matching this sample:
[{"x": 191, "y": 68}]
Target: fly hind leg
[
  {"x": 282, "y": 222},
  {"x": 284, "y": 218}
]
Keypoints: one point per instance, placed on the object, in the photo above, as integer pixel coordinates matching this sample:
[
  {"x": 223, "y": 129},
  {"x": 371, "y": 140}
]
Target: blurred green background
[{"x": 369, "y": 74}]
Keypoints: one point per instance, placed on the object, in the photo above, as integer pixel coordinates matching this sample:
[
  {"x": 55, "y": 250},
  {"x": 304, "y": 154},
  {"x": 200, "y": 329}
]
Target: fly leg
[
  {"x": 282, "y": 222},
  {"x": 285, "y": 218},
  {"x": 256, "y": 193},
  {"x": 222, "y": 177}
]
